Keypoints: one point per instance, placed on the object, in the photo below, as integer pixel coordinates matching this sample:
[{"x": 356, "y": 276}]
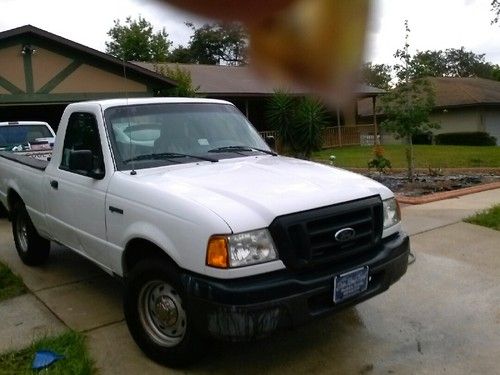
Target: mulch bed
[{"x": 432, "y": 185}]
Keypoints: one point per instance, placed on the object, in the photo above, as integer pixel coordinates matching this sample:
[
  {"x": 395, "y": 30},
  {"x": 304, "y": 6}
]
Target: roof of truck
[{"x": 107, "y": 103}]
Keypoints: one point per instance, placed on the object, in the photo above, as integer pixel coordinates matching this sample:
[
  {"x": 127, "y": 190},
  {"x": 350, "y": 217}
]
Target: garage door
[{"x": 492, "y": 125}]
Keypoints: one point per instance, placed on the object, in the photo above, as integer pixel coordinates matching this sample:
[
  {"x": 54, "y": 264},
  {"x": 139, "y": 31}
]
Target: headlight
[
  {"x": 392, "y": 215},
  {"x": 242, "y": 249}
]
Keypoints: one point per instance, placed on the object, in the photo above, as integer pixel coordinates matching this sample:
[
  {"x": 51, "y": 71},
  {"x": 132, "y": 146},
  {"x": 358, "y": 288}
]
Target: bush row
[{"x": 456, "y": 139}]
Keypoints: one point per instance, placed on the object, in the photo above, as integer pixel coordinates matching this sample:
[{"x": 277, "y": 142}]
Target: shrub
[
  {"x": 466, "y": 139},
  {"x": 298, "y": 121},
  {"x": 422, "y": 138},
  {"x": 379, "y": 162}
]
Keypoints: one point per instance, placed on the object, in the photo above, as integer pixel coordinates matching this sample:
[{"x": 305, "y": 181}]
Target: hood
[{"x": 249, "y": 193}]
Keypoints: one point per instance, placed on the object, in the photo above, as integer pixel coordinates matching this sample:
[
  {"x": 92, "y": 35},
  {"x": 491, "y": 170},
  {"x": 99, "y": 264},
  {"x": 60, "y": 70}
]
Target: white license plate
[{"x": 349, "y": 284}]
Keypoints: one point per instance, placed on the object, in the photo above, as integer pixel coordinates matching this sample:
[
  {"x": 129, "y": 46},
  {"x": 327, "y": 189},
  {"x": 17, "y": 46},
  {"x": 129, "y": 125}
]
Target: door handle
[{"x": 54, "y": 184}]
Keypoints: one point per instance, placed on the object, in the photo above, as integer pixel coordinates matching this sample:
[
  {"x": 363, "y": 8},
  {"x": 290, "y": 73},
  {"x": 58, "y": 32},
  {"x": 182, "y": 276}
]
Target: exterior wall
[
  {"x": 461, "y": 120},
  {"x": 457, "y": 120},
  {"x": 46, "y": 65},
  {"x": 11, "y": 65},
  {"x": 55, "y": 75},
  {"x": 93, "y": 80}
]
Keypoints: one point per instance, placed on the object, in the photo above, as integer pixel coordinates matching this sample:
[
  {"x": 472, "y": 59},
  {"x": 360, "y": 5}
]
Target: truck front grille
[{"x": 307, "y": 238}]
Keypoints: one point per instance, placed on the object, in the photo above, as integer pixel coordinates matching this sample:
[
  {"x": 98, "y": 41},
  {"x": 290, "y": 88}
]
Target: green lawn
[
  {"x": 10, "y": 284},
  {"x": 488, "y": 218},
  {"x": 71, "y": 344},
  {"x": 425, "y": 156}
]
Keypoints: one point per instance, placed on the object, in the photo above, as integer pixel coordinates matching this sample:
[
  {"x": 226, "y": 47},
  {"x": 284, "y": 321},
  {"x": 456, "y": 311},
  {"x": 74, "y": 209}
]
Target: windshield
[
  {"x": 15, "y": 135},
  {"x": 152, "y": 135}
]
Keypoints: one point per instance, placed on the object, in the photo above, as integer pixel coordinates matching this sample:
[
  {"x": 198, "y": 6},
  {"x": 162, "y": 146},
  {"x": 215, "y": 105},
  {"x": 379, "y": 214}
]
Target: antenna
[{"x": 133, "y": 171}]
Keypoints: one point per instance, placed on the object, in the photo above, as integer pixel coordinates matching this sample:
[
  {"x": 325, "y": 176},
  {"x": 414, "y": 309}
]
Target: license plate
[{"x": 349, "y": 284}]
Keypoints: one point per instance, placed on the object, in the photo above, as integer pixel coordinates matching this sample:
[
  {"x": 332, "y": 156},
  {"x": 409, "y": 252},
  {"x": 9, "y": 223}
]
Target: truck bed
[{"x": 30, "y": 160}]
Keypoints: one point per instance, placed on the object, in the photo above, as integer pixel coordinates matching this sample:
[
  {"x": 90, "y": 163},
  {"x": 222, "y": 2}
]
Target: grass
[
  {"x": 76, "y": 361},
  {"x": 425, "y": 156},
  {"x": 10, "y": 284},
  {"x": 488, "y": 218}
]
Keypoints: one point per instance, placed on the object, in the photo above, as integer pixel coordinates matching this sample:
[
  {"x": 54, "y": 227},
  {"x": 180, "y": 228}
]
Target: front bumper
[{"x": 253, "y": 307}]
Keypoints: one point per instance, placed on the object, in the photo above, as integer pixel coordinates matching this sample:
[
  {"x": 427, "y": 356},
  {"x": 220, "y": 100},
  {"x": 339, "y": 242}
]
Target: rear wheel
[
  {"x": 31, "y": 247},
  {"x": 157, "y": 315}
]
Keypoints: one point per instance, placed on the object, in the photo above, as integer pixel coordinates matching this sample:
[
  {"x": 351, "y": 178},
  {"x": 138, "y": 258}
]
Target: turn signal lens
[{"x": 217, "y": 252}]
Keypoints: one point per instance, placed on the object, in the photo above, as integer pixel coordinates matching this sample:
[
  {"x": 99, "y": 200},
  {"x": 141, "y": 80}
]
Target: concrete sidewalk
[{"x": 442, "y": 317}]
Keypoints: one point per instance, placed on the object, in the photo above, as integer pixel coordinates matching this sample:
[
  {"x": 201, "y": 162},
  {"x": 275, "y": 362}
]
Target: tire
[
  {"x": 31, "y": 247},
  {"x": 157, "y": 314}
]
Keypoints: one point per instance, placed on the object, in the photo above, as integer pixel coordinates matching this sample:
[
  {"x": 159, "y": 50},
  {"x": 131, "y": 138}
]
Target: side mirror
[
  {"x": 82, "y": 161},
  {"x": 271, "y": 142}
]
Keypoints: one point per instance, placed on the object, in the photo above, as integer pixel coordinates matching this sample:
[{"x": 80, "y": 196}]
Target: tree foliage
[
  {"x": 136, "y": 41},
  {"x": 184, "y": 86},
  {"x": 495, "y": 8},
  {"x": 377, "y": 75},
  {"x": 212, "y": 44},
  {"x": 408, "y": 105},
  {"x": 451, "y": 62},
  {"x": 299, "y": 122}
]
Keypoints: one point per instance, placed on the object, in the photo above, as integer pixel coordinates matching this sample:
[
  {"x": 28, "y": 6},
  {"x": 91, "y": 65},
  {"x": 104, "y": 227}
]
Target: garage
[{"x": 40, "y": 73}]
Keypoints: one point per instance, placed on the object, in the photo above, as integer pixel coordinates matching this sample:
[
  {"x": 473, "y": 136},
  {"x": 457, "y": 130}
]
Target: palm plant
[{"x": 298, "y": 122}]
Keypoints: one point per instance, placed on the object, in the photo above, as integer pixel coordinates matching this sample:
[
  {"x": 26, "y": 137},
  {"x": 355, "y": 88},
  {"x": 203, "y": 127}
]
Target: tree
[
  {"x": 449, "y": 63},
  {"x": 310, "y": 120},
  {"x": 184, "y": 87},
  {"x": 428, "y": 64},
  {"x": 137, "y": 41},
  {"x": 377, "y": 75},
  {"x": 407, "y": 107},
  {"x": 298, "y": 121},
  {"x": 214, "y": 44},
  {"x": 181, "y": 55},
  {"x": 462, "y": 63},
  {"x": 495, "y": 8}
]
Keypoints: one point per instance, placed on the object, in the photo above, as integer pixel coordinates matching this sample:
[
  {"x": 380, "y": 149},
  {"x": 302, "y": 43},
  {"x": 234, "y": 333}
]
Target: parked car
[
  {"x": 26, "y": 135},
  {"x": 213, "y": 233}
]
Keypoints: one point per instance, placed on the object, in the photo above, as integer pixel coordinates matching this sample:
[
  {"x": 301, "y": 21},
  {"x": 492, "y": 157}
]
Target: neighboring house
[
  {"x": 40, "y": 73},
  {"x": 250, "y": 93},
  {"x": 462, "y": 105}
]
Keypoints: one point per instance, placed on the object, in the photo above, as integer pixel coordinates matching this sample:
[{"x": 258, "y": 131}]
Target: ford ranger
[{"x": 212, "y": 232}]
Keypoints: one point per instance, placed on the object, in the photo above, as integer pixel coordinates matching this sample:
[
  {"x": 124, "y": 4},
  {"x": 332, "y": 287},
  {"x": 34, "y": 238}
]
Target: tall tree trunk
[{"x": 409, "y": 157}]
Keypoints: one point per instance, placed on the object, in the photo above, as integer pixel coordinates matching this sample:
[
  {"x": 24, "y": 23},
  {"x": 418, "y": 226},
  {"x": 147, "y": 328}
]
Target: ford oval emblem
[{"x": 345, "y": 234}]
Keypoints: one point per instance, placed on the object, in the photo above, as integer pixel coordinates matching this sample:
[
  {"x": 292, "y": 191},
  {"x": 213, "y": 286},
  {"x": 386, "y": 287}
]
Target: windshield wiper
[
  {"x": 242, "y": 148},
  {"x": 168, "y": 155}
]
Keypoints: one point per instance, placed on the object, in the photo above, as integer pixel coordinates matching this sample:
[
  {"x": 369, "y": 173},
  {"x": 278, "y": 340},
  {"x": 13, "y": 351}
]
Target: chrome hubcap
[
  {"x": 161, "y": 313},
  {"x": 22, "y": 234}
]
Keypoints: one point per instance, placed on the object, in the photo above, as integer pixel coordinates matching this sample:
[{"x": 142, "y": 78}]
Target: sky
[{"x": 434, "y": 24}]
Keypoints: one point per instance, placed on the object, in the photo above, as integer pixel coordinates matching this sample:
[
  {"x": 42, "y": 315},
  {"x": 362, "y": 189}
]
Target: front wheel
[
  {"x": 31, "y": 247},
  {"x": 157, "y": 315}
]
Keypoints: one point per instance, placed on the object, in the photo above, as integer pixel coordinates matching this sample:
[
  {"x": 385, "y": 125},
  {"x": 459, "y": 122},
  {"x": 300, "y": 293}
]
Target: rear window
[{"x": 13, "y": 135}]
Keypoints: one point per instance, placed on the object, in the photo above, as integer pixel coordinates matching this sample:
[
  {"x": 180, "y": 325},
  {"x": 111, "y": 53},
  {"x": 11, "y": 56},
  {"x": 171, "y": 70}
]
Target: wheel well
[
  {"x": 12, "y": 199},
  {"x": 139, "y": 249}
]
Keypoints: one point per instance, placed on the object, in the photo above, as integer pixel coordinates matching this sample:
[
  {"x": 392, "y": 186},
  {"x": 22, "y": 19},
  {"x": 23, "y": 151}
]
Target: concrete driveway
[{"x": 443, "y": 317}]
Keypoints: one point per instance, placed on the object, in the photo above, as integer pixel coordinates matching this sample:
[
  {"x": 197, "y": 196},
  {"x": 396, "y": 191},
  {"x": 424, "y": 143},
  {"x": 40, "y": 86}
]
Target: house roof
[
  {"x": 453, "y": 92},
  {"x": 29, "y": 30},
  {"x": 223, "y": 80}
]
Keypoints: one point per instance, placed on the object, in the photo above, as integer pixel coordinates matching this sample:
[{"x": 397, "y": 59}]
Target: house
[
  {"x": 467, "y": 105},
  {"x": 461, "y": 105},
  {"x": 40, "y": 73},
  {"x": 242, "y": 86}
]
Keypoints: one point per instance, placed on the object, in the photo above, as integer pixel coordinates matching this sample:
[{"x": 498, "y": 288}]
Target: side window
[{"x": 82, "y": 134}]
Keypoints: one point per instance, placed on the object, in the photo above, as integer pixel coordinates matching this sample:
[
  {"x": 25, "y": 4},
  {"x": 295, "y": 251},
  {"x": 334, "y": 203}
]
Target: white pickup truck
[{"x": 212, "y": 232}]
